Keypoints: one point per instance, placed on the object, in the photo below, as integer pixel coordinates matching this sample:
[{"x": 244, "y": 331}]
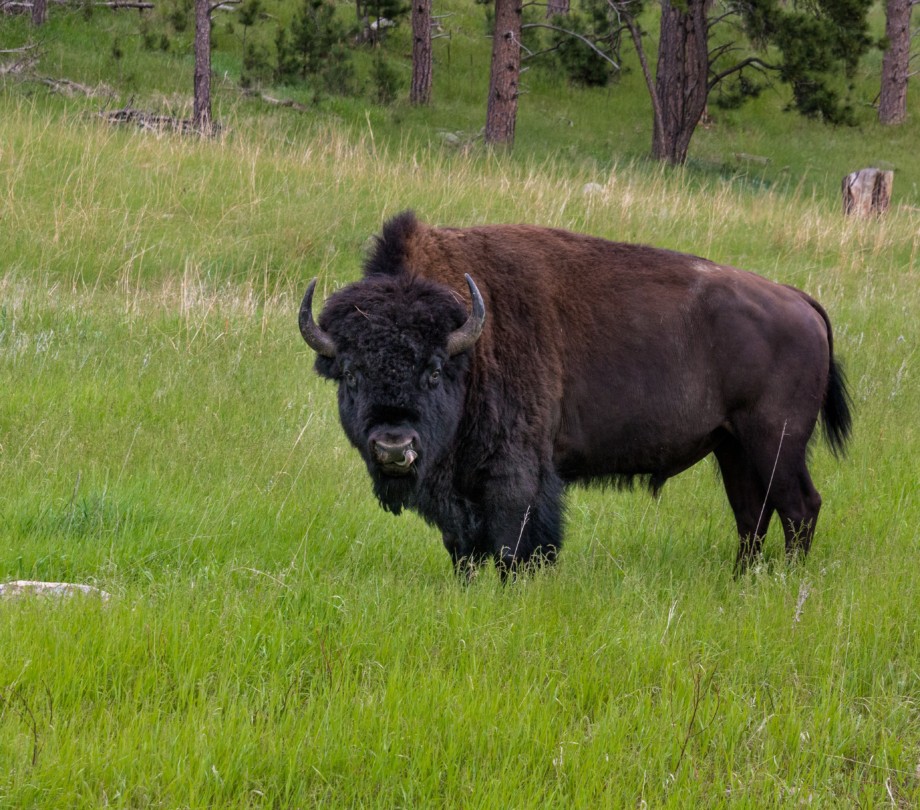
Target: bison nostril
[{"x": 398, "y": 453}]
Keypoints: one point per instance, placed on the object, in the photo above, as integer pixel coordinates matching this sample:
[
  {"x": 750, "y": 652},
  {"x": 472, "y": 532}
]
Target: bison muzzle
[{"x": 482, "y": 370}]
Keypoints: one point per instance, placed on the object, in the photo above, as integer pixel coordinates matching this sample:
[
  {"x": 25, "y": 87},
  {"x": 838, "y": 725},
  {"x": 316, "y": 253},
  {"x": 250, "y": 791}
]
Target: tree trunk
[
  {"x": 681, "y": 83},
  {"x": 39, "y": 12},
  {"x": 505, "y": 73},
  {"x": 556, "y": 7},
  {"x": 892, "y": 103},
  {"x": 420, "y": 90},
  {"x": 201, "y": 116}
]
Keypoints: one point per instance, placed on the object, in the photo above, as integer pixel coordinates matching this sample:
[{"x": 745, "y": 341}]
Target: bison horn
[
  {"x": 316, "y": 338},
  {"x": 461, "y": 339}
]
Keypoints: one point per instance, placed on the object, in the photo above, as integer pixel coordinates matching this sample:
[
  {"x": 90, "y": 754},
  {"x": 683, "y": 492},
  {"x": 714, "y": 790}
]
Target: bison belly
[{"x": 643, "y": 422}]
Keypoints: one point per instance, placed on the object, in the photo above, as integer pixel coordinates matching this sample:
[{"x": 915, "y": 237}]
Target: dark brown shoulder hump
[{"x": 388, "y": 256}]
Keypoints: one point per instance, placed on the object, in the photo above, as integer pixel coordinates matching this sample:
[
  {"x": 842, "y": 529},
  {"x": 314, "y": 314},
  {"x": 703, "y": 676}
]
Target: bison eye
[
  {"x": 350, "y": 380},
  {"x": 432, "y": 376}
]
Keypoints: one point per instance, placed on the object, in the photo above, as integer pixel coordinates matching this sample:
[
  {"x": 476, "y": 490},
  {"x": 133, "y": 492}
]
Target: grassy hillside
[{"x": 273, "y": 638}]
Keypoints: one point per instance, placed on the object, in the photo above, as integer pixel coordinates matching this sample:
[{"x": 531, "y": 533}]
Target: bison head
[{"x": 398, "y": 348}]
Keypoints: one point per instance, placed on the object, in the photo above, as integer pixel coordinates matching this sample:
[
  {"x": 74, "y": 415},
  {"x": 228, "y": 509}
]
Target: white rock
[{"x": 24, "y": 587}]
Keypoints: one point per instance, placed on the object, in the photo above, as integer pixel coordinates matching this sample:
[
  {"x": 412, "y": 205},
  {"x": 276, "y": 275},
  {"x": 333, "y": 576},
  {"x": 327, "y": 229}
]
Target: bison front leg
[
  {"x": 464, "y": 555},
  {"x": 527, "y": 534}
]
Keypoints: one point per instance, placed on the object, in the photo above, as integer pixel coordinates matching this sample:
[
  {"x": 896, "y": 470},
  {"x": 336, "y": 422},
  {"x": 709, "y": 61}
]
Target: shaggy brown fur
[{"x": 598, "y": 361}]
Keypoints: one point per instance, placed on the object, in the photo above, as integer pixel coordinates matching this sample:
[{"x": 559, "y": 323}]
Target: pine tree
[
  {"x": 501, "y": 113},
  {"x": 892, "y": 104},
  {"x": 819, "y": 44}
]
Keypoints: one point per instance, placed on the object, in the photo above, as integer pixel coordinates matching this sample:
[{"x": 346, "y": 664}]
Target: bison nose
[{"x": 395, "y": 450}]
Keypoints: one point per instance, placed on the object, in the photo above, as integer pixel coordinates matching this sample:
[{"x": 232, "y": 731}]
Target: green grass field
[{"x": 274, "y": 639}]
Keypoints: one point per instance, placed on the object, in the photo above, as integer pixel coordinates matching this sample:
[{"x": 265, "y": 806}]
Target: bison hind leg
[
  {"x": 791, "y": 491},
  {"x": 799, "y": 513},
  {"x": 780, "y": 457},
  {"x": 748, "y": 499}
]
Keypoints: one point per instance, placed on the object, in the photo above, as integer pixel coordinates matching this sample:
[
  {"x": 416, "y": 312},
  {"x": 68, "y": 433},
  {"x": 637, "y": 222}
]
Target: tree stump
[
  {"x": 867, "y": 192},
  {"x": 39, "y": 12}
]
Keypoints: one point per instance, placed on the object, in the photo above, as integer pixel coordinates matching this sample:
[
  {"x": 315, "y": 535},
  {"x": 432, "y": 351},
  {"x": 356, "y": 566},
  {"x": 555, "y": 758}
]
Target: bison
[{"x": 482, "y": 370}]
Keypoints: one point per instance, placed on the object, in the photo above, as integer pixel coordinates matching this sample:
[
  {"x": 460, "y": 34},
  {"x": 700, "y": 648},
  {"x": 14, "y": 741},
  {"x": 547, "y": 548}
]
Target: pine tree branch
[
  {"x": 710, "y": 24},
  {"x": 646, "y": 72},
  {"x": 222, "y": 5},
  {"x": 576, "y": 35},
  {"x": 545, "y": 51},
  {"x": 751, "y": 61},
  {"x": 717, "y": 53}
]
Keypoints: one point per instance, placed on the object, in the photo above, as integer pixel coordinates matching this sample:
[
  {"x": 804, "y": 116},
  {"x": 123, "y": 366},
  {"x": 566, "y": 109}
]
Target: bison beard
[
  {"x": 481, "y": 370},
  {"x": 394, "y": 494}
]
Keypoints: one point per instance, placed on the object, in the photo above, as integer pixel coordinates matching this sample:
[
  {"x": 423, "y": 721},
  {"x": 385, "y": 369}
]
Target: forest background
[{"x": 604, "y": 81}]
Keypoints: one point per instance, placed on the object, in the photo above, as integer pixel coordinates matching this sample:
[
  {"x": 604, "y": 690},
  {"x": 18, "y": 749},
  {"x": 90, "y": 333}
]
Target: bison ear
[
  {"x": 318, "y": 340},
  {"x": 463, "y": 338}
]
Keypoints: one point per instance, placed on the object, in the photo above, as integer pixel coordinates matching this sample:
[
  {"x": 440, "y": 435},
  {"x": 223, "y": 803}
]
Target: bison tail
[{"x": 835, "y": 413}]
